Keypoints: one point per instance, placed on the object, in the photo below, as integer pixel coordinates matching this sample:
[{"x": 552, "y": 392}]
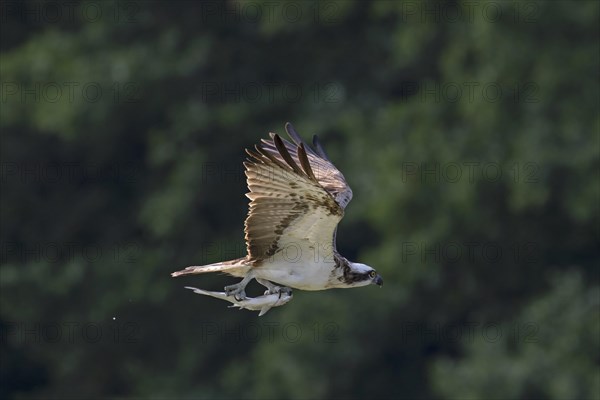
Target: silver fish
[{"x": 263, "y": 303}]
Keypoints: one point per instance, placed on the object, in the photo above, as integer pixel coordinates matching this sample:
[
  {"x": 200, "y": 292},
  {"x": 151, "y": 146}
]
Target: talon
[
  {"x": 273, "y": 290},
  {"x": 236, "y": 291},
  {"x": 229, "y": 290},
  {"x": 286, "y": 290},
  {"x": 240, "y": 296}
]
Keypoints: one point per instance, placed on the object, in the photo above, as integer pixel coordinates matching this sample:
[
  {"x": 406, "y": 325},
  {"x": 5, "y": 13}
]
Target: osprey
[{"x": 297, "y": 198}]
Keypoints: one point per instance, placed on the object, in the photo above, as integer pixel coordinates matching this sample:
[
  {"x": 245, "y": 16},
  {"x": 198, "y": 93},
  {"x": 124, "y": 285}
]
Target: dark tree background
[{"x": 468, "y": 130}]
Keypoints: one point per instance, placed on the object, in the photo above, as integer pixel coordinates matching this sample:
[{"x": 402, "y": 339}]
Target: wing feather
[
  {"x": 305, "y": 163},
  {"x": 323, "y": 170},
  {"x": 288, "y": 202}
]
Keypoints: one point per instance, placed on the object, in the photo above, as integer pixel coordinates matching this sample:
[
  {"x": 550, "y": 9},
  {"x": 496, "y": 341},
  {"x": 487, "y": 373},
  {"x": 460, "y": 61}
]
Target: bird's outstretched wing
[
  {"x": 328, "y": 176},
  {"x": 290, "y": 201}
]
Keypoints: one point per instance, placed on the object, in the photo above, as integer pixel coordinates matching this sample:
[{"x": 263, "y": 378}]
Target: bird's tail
[{"x": 237, "y": 267}]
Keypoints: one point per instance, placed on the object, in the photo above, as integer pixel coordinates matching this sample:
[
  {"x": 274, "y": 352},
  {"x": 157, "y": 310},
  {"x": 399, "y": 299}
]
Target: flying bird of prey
[{"x": 297, "y": 198}]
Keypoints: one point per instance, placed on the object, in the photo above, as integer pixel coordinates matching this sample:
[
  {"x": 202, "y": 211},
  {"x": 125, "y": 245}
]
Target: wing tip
[
  {"x": 305, "y": 163},
  {"x": 320, "y": 150},
  {"x": 279, "y": 144}
]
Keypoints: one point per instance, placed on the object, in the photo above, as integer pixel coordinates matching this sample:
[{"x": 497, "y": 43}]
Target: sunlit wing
[
  {"x": 290, "y": 201},
  {"x": 328, "y": 176}
]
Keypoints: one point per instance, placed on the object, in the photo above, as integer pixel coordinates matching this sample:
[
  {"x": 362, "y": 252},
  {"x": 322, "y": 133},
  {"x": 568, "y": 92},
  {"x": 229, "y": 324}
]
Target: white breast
[{"x": 299, "y": 267}]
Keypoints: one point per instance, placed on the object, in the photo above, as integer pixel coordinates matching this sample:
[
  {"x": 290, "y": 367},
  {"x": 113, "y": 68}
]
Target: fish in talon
[{"x": 261, "y": 303}]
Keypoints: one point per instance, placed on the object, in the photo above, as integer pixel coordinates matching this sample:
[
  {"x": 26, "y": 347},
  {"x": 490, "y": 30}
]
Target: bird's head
[{"x": 357, "y": 274}]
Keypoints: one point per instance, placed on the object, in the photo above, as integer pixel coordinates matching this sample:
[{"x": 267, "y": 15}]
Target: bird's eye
[{"x": 372, "y": 274}]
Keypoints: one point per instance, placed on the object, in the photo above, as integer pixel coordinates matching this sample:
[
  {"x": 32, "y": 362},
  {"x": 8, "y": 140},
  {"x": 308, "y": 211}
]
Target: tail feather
[{"x": 233, "y": 267}]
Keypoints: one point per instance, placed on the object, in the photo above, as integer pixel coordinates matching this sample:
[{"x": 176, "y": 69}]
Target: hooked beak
[{"x": 378, "y": 280}]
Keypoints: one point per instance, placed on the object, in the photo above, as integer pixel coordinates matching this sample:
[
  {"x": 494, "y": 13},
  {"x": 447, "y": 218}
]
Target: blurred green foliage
[{"x": 122, "y": 149}]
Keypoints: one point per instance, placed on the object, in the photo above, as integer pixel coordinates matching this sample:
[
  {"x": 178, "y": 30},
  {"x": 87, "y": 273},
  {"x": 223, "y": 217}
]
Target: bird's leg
[
  {"x": 239, "y": 289},
  {"x": 272, "y": 288}
]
